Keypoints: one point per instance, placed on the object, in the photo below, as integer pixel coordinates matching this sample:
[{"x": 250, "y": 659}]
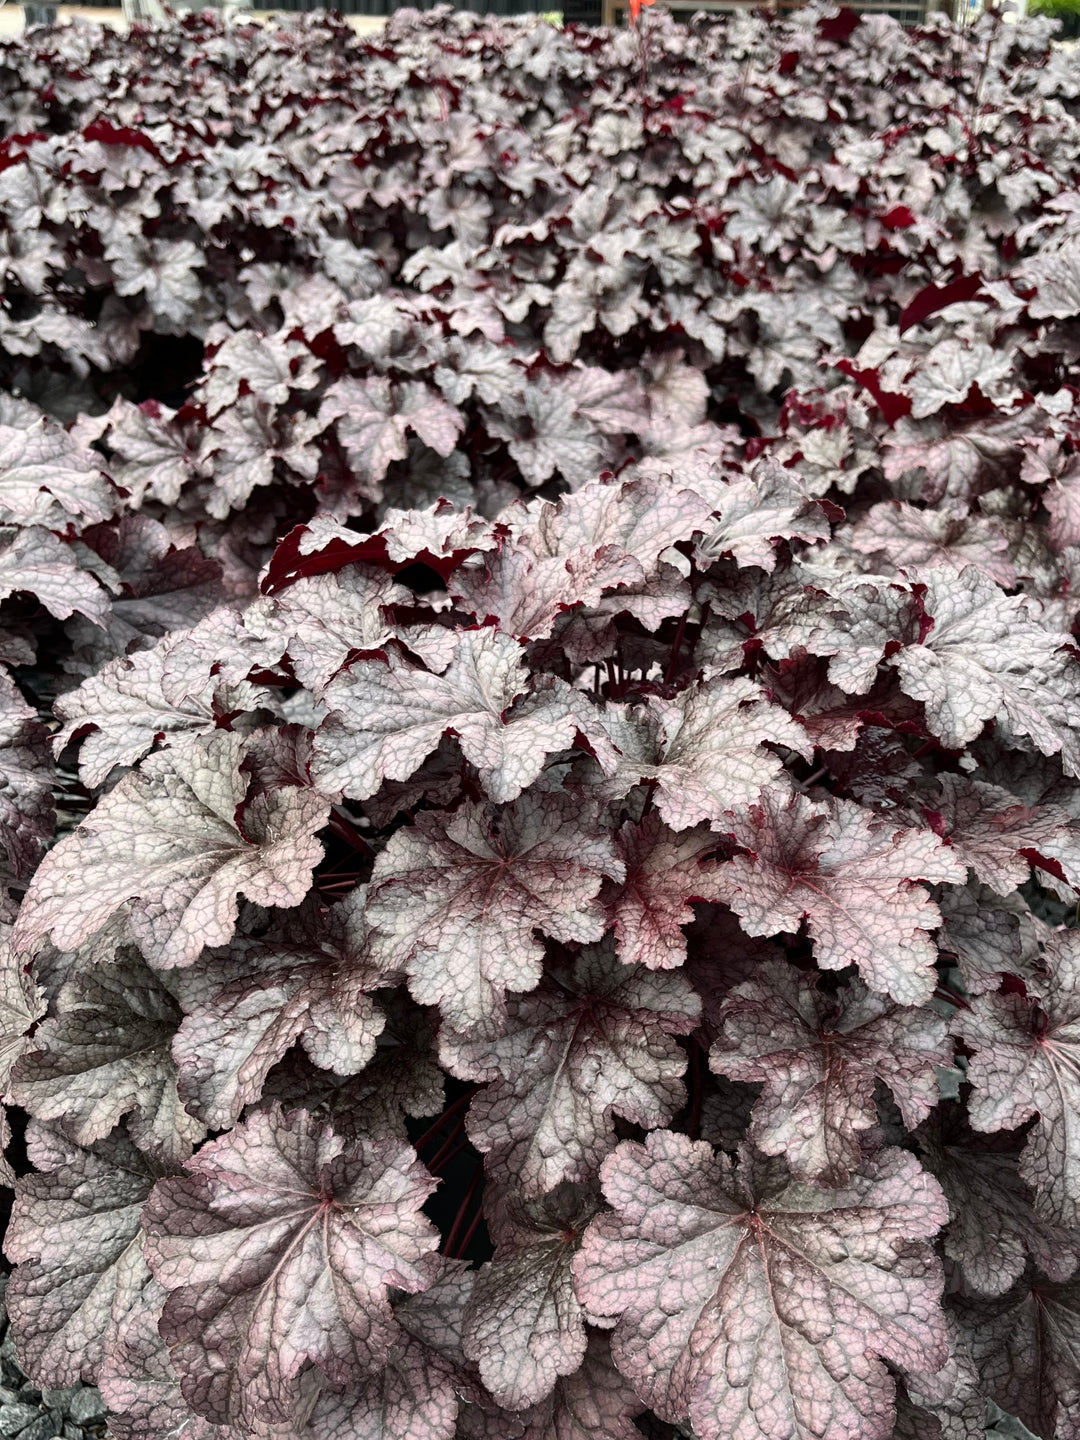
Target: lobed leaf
[
  {"x": 713, "y": 1273},
  {"x": 277, "y": 1246},
  {"x": 167, "y": 839}
]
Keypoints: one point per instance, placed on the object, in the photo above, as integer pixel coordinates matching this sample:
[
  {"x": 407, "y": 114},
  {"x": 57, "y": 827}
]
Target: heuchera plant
[{"x": 541, "y": 727}]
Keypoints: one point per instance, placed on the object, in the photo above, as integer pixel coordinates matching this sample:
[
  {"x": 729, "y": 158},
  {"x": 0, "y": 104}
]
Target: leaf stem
[
  {"x": 451, "y": 1110},
  {"x": 804, "y": 785},
  {"x": 943, "y": 992},
  {"x": 453, "y": 1146},
  {"x": 463, "y": 1210},
  {"x": 342, "y": 826},
  {"x": 466, "y": 1239}
]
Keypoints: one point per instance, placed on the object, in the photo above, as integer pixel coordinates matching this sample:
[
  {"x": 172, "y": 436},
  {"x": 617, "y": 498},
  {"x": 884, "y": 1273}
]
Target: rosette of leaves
[{"x": 598, "y": 900}]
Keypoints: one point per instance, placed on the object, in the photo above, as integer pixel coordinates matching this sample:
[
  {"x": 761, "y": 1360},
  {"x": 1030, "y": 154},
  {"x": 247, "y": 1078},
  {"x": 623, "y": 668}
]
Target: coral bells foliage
[{"x": 540, "y": 727}]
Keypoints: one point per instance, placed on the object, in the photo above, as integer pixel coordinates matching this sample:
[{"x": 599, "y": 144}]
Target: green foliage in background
[{"x": 1058, "y": 8}]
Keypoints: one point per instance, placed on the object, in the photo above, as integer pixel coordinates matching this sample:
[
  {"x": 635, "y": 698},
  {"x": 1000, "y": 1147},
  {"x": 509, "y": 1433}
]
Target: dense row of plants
[{"x": 541, "y": 727}]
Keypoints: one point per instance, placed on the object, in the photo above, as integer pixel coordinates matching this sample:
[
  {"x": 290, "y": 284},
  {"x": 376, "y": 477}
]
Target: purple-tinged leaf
[
  {"x": 455, "y": 900},
  {"x": 524, "y": 593},
  {"x": 704, "y": 749},
  {"x": 639, "y": 519},
  {"x": 309, "y": 986},
  {"x": 21, "y": 1004},
  {"x": 1025, "y": 1346},
  {"x": 949, "y": 369},
  {"x": 139, "y": 1385},
  {"x": 818, "y": 1057},
  {"x": 162, "y": 586},
  {"x": 156, "y": 457},
  {"x": 895, "y": 534},
  {"x": 594, "y": 1041},
  {"x": 758, "y": 511},
  {"x": 269, "y": 366},
  {"x": 321, "y": 620},
  {"x": 944, "y": 1404},
  {"x": 856, "y": 622},
  {"x": 27, "y": 810},
  {"x": 438, "y": 783},
  {"x": 852, "y": 876},
  {"x": 247, "y": 444},
  {"x": 372, "y": 420},
  {"x": 35, "y": 562},
  {"x": 388, "y": 716},
  {"x": 713, "y": 1270},
  {"x": 990, "y": 936},
  {"x": 1055, "y": 274},
  {"x": 1062, "y": 500},
  {"x": 994, "y": 1227},
  {"x": 988, "y": 657},
  {"x": 991, "y": 830},
  {"x": 167, "y": 839},
  {"x": 277, "y": 1246},
  {"x": 594, "y": 1403},
  {"x": 46, "y": 477},
  {"x": 523, "y": 1325},
  {"x": 1026, "y": 1062},
  {"x": 550, "y": 433},
  {"x": 664, "y": 872},
  {"x": 403, "y": 1079},
  {"x": 415, "y": 1396},
  {"x": 122, "y": 712},
  {"x": 104, "y": 1056},
  {"x": 440, "y": 537},
  {"x": 75, "y": 1239},
  {"x": 604, "y": 538},
  {"x": 1037, "y": 781},
  {"x": 215, "y": 655},
  {"x": 484, "y": 1420}
]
